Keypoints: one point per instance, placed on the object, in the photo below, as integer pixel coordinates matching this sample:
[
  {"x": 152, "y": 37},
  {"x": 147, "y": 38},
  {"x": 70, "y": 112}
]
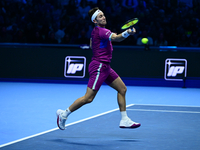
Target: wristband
[{"x": 125, "y": 34}]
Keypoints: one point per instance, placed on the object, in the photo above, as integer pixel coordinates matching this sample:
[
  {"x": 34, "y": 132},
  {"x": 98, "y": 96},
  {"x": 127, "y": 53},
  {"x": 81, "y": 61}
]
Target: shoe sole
[
  {"x": 131, "y": 127},
  {"x": 58, "y": 123}
]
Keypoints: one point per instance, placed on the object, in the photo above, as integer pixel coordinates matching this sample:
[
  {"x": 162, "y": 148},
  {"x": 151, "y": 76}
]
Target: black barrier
[{"x": 135, "y": 65}]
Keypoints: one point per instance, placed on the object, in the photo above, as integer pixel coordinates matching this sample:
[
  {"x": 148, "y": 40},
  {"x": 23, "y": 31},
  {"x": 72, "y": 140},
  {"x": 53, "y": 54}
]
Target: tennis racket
[{"x": 129, "y": 23}]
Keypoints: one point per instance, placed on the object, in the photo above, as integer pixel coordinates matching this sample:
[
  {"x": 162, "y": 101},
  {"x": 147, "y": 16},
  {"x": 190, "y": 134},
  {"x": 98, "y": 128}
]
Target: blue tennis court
[{"x": 169, "y": 118}]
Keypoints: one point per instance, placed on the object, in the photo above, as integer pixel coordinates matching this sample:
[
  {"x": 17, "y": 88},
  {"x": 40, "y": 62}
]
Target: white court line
[
  {"x": 166, "y": 105},
  {"x": 22, "y": 139},
  {"x": 172, "y": 111},
  {"x": 159, "y": 105}
]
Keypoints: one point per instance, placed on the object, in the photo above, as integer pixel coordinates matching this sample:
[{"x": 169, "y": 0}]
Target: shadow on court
[{"x": 162, "y": 128}]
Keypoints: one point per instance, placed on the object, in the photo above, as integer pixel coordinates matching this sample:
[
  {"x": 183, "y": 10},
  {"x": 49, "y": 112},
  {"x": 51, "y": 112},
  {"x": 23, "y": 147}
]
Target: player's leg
[
  {"x": 87, "y": 98},
  {"x": 121, "y": 89},
  {"x": 125, "y": 122},
  {"x": 98, "y": 73},
  {"x": 117, "y": 84},
  {"x": 63, "y": 114}
]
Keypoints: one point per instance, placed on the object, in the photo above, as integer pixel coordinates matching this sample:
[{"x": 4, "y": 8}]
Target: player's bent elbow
[
  {"x": 114, "y": 38},
  {"x": 117, "y": 38}
]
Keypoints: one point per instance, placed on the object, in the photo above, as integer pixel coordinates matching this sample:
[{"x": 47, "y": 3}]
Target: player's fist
[{"x": 131, "y": 31}]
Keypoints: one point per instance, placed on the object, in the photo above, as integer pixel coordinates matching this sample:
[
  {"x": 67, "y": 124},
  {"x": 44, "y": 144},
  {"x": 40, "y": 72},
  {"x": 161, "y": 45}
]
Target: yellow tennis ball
[{"x": 145, "y": 40}]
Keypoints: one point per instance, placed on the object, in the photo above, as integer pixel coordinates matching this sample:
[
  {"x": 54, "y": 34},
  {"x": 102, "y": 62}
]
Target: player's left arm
[{"x": 122, "y": 36}]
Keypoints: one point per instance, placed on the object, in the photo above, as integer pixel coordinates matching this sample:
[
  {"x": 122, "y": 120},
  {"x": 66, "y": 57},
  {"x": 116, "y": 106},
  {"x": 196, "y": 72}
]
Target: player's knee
[
  {"x": 123, "y": 90},
  {"x": 88, "y": 100}
]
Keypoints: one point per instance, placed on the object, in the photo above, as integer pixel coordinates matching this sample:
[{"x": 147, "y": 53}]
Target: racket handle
[{"x": 133, "y": 29}]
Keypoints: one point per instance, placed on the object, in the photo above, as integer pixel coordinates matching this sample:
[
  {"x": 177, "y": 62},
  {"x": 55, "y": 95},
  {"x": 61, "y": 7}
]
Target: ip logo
[
  {"x": 75, "y": 67},
  {"x": 175, "y": 69}
]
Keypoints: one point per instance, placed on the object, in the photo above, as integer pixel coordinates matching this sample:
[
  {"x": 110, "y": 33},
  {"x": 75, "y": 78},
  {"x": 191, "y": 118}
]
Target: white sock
[
  {"x": 124, "y": 115},
  {"x": 66, "y": 113}
]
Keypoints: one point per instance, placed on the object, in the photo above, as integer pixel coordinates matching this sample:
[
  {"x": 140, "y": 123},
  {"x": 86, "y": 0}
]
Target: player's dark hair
[{"x": 92, "y": 11}]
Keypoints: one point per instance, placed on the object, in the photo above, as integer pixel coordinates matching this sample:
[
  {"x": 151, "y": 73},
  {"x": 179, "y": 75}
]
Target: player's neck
[{"x": 100, "y": 25}]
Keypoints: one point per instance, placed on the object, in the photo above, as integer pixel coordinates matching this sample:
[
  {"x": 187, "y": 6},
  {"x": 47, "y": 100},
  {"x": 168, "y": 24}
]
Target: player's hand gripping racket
[{"x": 129, "y": 23}]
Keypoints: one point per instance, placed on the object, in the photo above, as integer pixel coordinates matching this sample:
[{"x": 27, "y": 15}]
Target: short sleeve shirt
[{"x": 101, "y": 44}]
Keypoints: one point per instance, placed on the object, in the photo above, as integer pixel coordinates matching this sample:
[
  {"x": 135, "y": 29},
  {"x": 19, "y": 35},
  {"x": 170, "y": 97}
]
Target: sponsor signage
[
  {"x": 75, "y": 67},
  {"x": 175, "y": 69}
]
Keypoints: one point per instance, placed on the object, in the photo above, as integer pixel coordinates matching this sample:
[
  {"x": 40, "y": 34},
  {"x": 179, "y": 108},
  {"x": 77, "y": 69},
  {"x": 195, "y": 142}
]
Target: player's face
[{"x": 101, "y": 19}]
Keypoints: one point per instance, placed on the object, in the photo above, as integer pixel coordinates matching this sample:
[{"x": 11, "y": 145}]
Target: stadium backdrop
[{"x": 136, "y": 66}]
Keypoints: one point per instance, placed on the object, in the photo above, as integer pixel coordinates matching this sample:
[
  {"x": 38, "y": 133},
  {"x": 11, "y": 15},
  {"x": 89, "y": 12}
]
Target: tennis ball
[{"x": 145, "y": 40}]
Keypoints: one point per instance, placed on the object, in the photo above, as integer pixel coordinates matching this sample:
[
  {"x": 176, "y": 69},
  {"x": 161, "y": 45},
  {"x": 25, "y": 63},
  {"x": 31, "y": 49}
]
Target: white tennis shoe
[
  {"x": 60, "y": 120},
  {"x": 128, "y": 123}
]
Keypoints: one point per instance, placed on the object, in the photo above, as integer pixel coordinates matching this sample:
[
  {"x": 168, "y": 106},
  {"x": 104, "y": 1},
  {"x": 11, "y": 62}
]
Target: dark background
[{"x": 48, "y": 62}]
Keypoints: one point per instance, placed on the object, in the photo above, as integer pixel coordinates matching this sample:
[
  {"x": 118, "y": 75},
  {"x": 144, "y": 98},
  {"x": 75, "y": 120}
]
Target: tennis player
[{"x": 100, "y": 70}]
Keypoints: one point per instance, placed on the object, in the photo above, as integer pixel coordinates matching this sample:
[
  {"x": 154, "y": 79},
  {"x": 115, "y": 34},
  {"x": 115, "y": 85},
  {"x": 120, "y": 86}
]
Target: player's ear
[{"x": 95, "y": 21}]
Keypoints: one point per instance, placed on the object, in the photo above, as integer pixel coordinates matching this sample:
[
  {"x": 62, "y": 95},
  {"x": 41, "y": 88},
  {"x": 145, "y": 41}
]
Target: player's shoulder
[
  {"x": 103, "y": 29},
  {"x": 103, "y": 33}
]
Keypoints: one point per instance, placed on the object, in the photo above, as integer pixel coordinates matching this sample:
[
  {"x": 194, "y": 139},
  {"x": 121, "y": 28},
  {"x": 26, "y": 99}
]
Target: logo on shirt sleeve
[{"x": 108, "y": 33}]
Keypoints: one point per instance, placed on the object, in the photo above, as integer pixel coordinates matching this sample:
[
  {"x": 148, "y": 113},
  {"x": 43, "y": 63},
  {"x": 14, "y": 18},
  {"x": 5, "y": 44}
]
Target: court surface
[{"x": 169, "y": 117}]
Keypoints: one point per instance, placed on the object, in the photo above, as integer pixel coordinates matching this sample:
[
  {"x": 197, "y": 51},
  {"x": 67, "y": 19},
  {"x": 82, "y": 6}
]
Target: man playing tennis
[{"x": 100, "y": 70}]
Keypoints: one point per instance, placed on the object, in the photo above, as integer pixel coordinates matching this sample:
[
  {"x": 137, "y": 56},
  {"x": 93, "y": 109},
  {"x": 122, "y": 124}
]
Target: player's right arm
[
  {"x": 120, "y": 37},
  {"x": 117, "y": 37}
]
